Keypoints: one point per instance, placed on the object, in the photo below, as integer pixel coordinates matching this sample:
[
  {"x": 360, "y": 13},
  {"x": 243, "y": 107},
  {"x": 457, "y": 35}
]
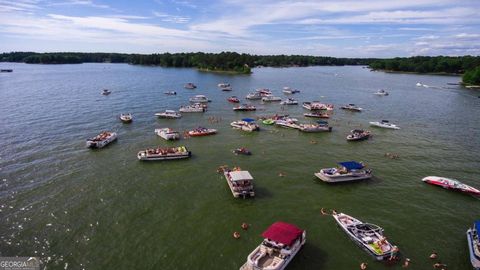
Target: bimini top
[
  {"x": 283, "y": 233},
  {"x": 351, "y": 165},
  {"x": 240, "y": 176},
  {"x": 477, "y": 225},
  {"x": 248, "y": 120}
]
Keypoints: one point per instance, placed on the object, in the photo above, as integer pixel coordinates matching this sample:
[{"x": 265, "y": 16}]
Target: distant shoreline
[
  {"x": 419, "y": 73},
  {"x": 232, "y": 72}
]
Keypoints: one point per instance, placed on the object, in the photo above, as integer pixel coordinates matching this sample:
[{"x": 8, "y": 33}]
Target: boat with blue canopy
[
  {"x": 345, "y": 172},
  {"x": 474, "y": 244}
]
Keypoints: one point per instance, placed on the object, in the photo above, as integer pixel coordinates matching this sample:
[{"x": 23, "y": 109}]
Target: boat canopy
[
  {"x": 240, "y": 176},
  {"x": 385, "y": 121},
  {"x": 322, "y": 122},
  {"x": 248, "y": 120},
  {"x": 282, "y": 232},
  {"x": 477, "y": 225},
  {"x": 351, "y": 165}
]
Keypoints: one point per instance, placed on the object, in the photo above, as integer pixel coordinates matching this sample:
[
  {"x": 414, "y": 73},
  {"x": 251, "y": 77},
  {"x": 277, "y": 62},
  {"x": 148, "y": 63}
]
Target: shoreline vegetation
[{"x": 235, "y": 63}]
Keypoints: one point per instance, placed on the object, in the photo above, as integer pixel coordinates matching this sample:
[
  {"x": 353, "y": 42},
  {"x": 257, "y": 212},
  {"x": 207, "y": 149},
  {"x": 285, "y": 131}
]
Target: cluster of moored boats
[{"x": 282, "y": 241}]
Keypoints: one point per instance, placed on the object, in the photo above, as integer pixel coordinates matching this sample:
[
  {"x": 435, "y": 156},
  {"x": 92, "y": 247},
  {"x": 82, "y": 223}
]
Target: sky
[{"x": 338, "y": 28}]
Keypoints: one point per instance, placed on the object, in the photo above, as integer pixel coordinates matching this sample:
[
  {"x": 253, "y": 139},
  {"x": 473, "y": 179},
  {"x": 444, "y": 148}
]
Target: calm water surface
[{"x": 78, "y": 208}]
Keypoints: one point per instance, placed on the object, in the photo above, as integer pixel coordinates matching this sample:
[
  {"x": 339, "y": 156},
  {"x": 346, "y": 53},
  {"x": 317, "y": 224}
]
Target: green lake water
[{"x": 103, "y": 209}]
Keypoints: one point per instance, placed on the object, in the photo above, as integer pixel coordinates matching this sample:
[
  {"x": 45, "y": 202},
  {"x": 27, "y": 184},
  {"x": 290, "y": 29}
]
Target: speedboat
[
  {"x": 190, "y": 86},
  {"x": 201, "y": 131},
  {"x": 197, "y": 107},
  {"x": 347, "y": 171},
  {"x": 384, "y": 124},
  {"x": 282, "y": 241},
  {"x": 368, "y": 236},
  {"x": 199, "y": 99},
  {"x": 126, "y": 117},
  {"x": 263, "y": 91},
  {"x": 289, "y": 101},
  {"x": 102, "y": 139},
  {"x": 351, "y": 107},
  {"x": 244, "y": 107},
  {"x": 419, "y": 84},
  {"x": 358, "y": 135},
  {"x": 240, "y": 182},
  {"x": 227, "y": 88},
  {"x": 254, "y": 96},
  {"x": 246, "y": 124},
  {"x": 381, "y": 92},
  {"x": 287, "y": 90},
  {"x": 287, "y": 123},
  {"x": 242, "y": 151},
  {"x": 223, "y": 85},
  {"x": 167, "y": 133},
  {"x": 168, "y": 153},
  {"x": 474, "y": 244},
  {"x": 233, "y": 99},
  {"x": 314, "y": 127},
  {"x": 106, "y": 92},
  {"x": 270, "y": 98},
  {"x": 317, "y": 115},
  {"x": 170, "y": 93},
  {"x": 317, "y": 105},
  {"x": 449, "y": 183},
  {"x": 168, "y": 114}
]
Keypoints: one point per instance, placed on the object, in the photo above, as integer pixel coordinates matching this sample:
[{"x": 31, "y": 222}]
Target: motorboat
[
  {"x": 240, "y": 182},
  {"x": 311, "y": 128},
  {"x": 106, "y": 92},
  {"x": 381, "y": 92},
  {"x": 190, "y": 86},
  {"x": 233, "y": 99},
  {"x": 419, "y": 84},
  {"x": 317, "y": 115},
  {"x": 384, "y": 124},
  {"x": 169, "y": 114},
  {"x": 263, "y": 91},
  {"x": 170, "y": 93},
  {"x": 287, "y": 123},
  {"x": 368, "y": 236},
  {"x": 223, "y": 85},
  {"x": 289, "y": 101},
  {"x": 270, "y": 98},
  {"x": 169, "y": 153},
  {"x": 351, "y": 107},
  {"x": 197, "y": 107},
  {"x": 199, "y": 99},
  {"x": 227, "y": 88},
  {"x": 358, "y": 135},
  {"x": 242, "y": 151},
  {"x": 474, "y": 244},
  {"x": 347, "y": 171},
  {"x": 244, "y": 107},
  {"x": 282, "y": 241},
  {"x": 316, "y": 105},
  {"x": 254, "y": 96},
  {"x": 201, "y": 131},
  {"x": 126, "y": 117},
  {"x": 167, "y": 134},
  {"x": 6, "y": 70},
  {"x": 287, "y": 90},
  {"x": 102, "y": 139},
  {"x": 452, "y": 184},
  {"x": 246, "y": 124}
]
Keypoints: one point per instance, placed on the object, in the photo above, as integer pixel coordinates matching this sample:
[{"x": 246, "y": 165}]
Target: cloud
[
  {"x": 88, "y": 3},
  {"x": 171, "y": 18}
]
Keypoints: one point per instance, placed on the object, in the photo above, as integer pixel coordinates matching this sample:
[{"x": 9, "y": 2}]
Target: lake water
[{"x": 104, "y": 209}]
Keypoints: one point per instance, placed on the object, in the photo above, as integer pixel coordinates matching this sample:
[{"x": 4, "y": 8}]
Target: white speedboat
[
  {"x": 106, "y": 92},
  {"x": 317, "y": 115},
  {"x": 126, "y": 117},
  {"x": 311, "y": 128},
  {"x": 102, "y": 139},
  {"x": 170, "y": 93},
  {"x": 197, "y": 107},
  {"x": 167, "y": 134},
  {"x": 358, "y": 135},
  {"x": 169, "y": 153},
  {"x": 316, "y": 105},
  {"x": 190, "y": 86},
  {"x": 254, "y": 96},
  {"x": 347, "y": 171},
  {"x": 168, "y": 114},
  {"x": 282, "y": 241},
  {"x": 244, "y": 107},
  {"x": 287, "y": 90},
  {"x": 289, "y": 101},
  {"x": 367, "y": 236},
  {"x": 223, "y": 85},
  {"x": 381, "y": 92},
  {"x": 474, "y": 244},
  {"x": 384, "y": 124},
  {"x": 270, "y": 98},
  {"x": 351, "y": 107},
  {"x": 246, "y": 124},
  {"x": 287, "y": 123},
  {"x": 199, "y": 99},
  {"x": 240, "y": 182}
]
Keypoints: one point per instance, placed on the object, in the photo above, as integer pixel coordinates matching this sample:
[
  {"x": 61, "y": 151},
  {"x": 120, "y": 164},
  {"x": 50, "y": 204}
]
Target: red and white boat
[
  {"x": 451, "y": 184},
  {"x": 201, "y": 131},
  {"x": 233, "y": 99}
]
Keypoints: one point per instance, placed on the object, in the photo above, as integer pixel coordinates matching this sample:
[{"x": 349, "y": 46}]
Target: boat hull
[
  {"x": 100, "y": 144},
  {"x": 163, "y": 157},
  {"x": 339, "y": 179},
  {"x": 474, "y": 259}
]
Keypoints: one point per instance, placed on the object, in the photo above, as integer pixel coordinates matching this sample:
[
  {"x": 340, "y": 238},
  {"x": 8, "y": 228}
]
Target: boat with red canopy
[{"x": 281, "y": 243}]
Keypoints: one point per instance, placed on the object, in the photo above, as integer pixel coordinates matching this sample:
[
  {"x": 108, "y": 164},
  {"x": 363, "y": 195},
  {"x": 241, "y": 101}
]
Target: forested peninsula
[{"x": 231, "y": 62}]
